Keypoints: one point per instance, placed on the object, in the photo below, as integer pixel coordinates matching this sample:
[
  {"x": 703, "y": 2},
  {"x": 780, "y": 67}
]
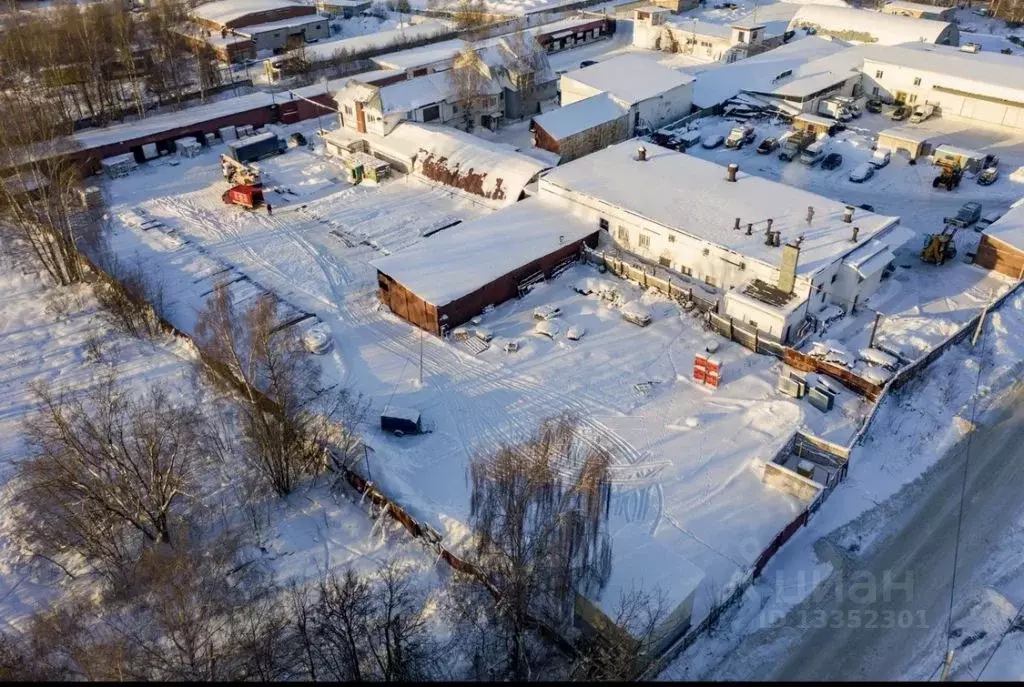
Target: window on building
[
  {"x": 917, "y": 80},
  {"x": 665, "y": 262},
  {"x": 709, "y": 280},
  {"x": 602, "y": 223},
  {"x": 644, "y": 240},
  {"x": 752, "y": 323},
  {"x": 431, "y": 113},
  {"x": 686, "y": 270},
  {"x": 874, "y": 91},
  {"x": 878, "y": 74},
  {"x": 912, "y": 98},
  {"x": 743, "y": 36},
  {"x": 622, "y": 233},
  {"x": 348, "y": 109},
  {"x": 833, "y": 279},
  {"x": 671, "y": 238},
  {"x": 823, "y": 294}
]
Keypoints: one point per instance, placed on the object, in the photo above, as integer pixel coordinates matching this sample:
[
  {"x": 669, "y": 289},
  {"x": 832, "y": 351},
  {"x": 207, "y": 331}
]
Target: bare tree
[
  {"x": 133, "y": 301},
  {"x": 288, "y": 421},
  {"x": 107, "y": 473},
  {"x": 526, "y": 63},
  {"x": 471, "y": 87},
  {"x": 470, "y": 14},
  {"x": 627, "y": 646},
  {"x": 539, "y": 513}
]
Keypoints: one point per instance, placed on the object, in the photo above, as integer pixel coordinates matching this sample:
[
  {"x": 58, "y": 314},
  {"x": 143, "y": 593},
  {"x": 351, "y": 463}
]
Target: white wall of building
[
  {"x": 889, "y": 80},
  {"x": 665, "y": 108},
  {"x": 779, "y": 323},
  {"x": 312, "y": 28}
]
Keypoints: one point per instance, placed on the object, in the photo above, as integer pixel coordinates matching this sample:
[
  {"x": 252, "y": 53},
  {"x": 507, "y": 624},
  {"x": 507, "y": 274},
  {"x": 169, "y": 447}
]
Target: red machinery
[{"x": 247, "y": 196}]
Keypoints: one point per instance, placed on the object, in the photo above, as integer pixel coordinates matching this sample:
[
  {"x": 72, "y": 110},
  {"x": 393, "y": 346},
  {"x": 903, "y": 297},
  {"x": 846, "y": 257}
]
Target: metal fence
[{"x": 745, "y": 335}]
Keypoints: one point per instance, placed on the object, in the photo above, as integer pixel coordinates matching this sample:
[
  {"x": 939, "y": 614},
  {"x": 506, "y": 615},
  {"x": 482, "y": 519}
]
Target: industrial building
[
  {"x": 862, "y": 26},
  {"x": 982, "y": 87},
  {"x": 581, "y": 128},
  {"x": 451, "y": 277},
  {"x": 919, "y": 10},
  {"x": 653, "y": 94},
  {"x": 653, "y": 29},
  {"x": 239, "y": 29},
  {"x": 776, "y": 253},
  {"x": 1002, "y": 244}
]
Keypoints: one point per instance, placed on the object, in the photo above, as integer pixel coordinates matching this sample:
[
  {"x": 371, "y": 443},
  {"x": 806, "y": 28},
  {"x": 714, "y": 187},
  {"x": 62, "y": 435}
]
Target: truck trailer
[{"x": 256, "y": 147}]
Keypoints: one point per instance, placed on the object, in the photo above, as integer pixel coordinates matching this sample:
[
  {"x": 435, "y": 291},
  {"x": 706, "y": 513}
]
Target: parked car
[
  {"x": 969, "y": 213},
  {"x": 988, "y": 219},
  {"x": 546, "y": 312},
  {"x": 900, "y": 113},
  {"x": 867, "y": 206},
  {"x": 587, "y": 63},
  {"x": 862, "y": 172},
  {"x": 880, "y": 158},
  {"x": 991, "y": 160},
  {"x": 485, "y": 335},
  {"x": 988, "y": 176},
  {"x": 921, "y": 113},
  {"x": 767, "y": 146},
  {"x": 317, "y": 339},
  {"x": 873, "y": 105},
  {"x": 712, "y": 141},
  {"x": 637, "y": 314},
  {"x": 401, "y": 421},
  {"x": 739, "y": 136},
  {"x": 547, "y": 328},
  {"x": 832, "y": 161},
  {"x": 511, "y": 346},
  {"x": 576, "y": 333}
]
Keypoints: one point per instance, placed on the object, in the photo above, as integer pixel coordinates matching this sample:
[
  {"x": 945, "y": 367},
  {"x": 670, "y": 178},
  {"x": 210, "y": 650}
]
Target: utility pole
[{"x": 366, "y": 459}]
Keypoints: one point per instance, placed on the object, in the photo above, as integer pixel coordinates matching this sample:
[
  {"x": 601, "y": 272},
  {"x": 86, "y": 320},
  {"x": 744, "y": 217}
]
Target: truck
[
  {"x": 401, "y": 421},
  {"x": 814, "y": 152},
  {"x": 256, "y": 147},
  {"x": 739, "y": 136},
  {"x": 249, "y": 197},
  {"x": 836, "y": 109},
  {"x": 793, "y": 143}
]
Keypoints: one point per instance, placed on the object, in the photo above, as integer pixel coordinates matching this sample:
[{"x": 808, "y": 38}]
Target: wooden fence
[
  {"x": 852, "y": 381},
  {"x": 680, "y": 290}
]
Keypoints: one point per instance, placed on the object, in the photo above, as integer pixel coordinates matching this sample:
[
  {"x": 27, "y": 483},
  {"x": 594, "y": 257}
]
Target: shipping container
[{"x": 256, "y": 147}]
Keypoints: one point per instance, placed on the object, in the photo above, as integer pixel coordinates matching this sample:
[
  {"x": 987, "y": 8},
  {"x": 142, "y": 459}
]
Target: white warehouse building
[
  {"x": 654, "y": 94},
  {"x": 684, "y": 214},
  {"x": 984, "y": 87},
  {"x": 874, "y": 28}
]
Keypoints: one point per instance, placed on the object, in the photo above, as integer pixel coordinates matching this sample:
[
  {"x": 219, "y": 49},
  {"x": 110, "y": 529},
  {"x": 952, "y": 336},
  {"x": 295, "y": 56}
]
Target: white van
[{"x": 813, "y": 153}]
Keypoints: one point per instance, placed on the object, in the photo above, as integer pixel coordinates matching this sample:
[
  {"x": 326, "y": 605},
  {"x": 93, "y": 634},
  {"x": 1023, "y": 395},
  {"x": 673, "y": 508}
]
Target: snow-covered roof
[
  {"x": 423, "y": 55},
  {"x": 916, "y": 7},
  {"x": 359, "y": 45},
  {"x": 630, "y": 78},
  {"x": 763, "y": 73},
  {"x": 413, "y": 93},
  {"x": 465, "y": 258},
  {"x": 690, "y": 195},
  {"x": 947, "y": 149},
  {"x": 1009, "y": 228},
  {"x": 885, "y": 29},
  {"x": 906, "y": 133},
  {"x": 227, "y": 11},
  {"x": 814, "y": 119},
  {"x": 989, "y": 74},
  {"x": 580, "y": 116},
  {"x": 870, "y": 258},
  {"x": 267, "y": 27},
  {"x": 701, "y": 28}
]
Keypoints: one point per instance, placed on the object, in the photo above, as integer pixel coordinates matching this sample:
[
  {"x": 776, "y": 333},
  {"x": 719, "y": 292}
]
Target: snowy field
[
  {"x": 687, "y": 470},
  {"x": 61, "y": 338},
  {"x": 921, "y": 304}
]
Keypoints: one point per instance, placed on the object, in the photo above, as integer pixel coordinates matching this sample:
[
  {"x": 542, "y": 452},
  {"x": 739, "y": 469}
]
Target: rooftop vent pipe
[
  {"x": 732, "y": 169},
  {"x": 856, "y": 230},
  {"x": 848, "y": 214},
  {"x": 736, "y": 226},
  {"x": 641, "y": 154}
]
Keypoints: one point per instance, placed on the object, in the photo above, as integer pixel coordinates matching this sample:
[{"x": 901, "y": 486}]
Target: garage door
[
  {"x": 1014, "y": 117},
  {"x": 992, "y": 113}
]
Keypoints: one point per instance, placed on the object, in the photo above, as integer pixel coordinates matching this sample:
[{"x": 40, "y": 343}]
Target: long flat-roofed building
[{"x": 776, "y": 253}]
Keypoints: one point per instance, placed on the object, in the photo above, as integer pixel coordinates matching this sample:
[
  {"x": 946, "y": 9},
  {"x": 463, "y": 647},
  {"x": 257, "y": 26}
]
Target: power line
[{"x": 963, "y": 486}]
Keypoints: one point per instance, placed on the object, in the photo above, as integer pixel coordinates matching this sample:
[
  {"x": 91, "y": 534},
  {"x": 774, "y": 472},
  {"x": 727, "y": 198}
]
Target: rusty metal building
[{"x": 451, "y": 277}]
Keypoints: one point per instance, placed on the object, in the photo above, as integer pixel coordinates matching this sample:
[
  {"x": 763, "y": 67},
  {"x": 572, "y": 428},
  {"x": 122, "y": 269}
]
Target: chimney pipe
[
  {"x": 810, "y": 215},
  {"x": 856, "y": 230},
  {"x": 848, "y": 214},
  {"x": 750, "y": 228},
  {"x": 641, "y": 154},
  {"x": 778, "y": 239},
  {"x": 799, "y": 240},
  {"x": 767, "y": 237},
  {"x": 770, "y": 220},
  {"x": 732, "y": 169},
  {"x": 736, "y": 226}
]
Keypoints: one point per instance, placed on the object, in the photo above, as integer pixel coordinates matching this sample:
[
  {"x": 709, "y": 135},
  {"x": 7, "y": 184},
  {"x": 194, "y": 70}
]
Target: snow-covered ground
[
  {"x": 922, "y": 304},
  {"x": 687, "y": 460},
  {"x": 912, "y": 450}
]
